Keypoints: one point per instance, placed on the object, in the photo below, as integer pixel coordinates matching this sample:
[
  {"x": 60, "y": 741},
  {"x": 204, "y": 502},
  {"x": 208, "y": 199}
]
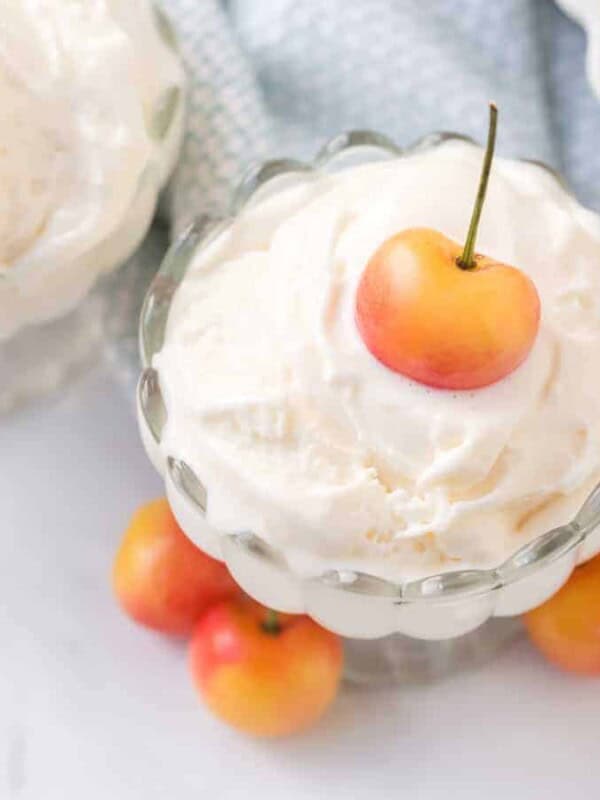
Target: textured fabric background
[{"x": 277, "y": 77}]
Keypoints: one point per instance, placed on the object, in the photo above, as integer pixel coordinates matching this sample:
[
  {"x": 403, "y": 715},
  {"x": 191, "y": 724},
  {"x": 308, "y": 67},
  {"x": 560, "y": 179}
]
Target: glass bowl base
[
  {"x": 397, "y": 659},
  {"x": 41, "y": 358}
]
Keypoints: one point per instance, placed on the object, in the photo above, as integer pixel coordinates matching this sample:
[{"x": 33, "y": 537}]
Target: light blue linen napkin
[{"x": 278, "y": 77}]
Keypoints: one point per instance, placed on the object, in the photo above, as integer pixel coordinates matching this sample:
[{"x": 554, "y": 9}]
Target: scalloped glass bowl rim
[{"x": 544, "y": 552}]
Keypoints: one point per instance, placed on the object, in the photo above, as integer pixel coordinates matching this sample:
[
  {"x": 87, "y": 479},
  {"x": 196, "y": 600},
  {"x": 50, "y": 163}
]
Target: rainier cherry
[
  {"x": 447, "y": 318},
  {"x": 264, "y": 673}
]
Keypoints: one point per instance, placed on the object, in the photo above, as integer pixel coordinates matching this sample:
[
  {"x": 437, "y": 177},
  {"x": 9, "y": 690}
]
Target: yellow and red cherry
[
  {"x": 566, "y": 628},
  {"x": 161, "y": 579},
  {"x": 442, "y": 315},
  {"x": 264, "y": 673}
]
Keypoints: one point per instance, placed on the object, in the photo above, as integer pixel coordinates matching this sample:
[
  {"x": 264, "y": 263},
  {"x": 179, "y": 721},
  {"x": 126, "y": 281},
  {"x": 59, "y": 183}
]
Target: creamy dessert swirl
[
  {"x": 83, "y": 88},
  {"x": 300, "y": 435}
]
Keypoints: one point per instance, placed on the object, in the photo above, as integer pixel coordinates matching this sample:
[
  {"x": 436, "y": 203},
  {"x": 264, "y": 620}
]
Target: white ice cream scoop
[
  {"x": 331, "y": 484},
  {"x": 92, "y": 110}
]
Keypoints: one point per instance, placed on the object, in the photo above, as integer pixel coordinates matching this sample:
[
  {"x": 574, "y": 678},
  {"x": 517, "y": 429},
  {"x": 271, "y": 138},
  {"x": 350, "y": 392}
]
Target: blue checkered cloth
[{"x": 278, "y": 77}]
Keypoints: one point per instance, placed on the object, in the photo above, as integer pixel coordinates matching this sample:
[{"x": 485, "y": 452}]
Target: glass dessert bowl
[
  {"x": 425, "y": 608},
  {"x": 94, "y": 105}
]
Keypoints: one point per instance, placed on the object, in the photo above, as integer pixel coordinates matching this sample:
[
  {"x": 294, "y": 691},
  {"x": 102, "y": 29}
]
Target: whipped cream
[
  {"x": 84, "y": 150},
  {"x": 300, "y": 435}
]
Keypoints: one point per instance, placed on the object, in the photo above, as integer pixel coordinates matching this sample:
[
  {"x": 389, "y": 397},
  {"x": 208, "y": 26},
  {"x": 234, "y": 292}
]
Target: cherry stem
[
  {"x": 271, "y": 623},
  {"x": 467, "y": 258}
]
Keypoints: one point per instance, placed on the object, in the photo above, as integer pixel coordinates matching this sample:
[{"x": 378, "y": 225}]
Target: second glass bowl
[{"x": 41, "y": 355}]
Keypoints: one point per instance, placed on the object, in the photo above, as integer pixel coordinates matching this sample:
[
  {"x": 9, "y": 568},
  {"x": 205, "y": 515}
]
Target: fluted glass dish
[{"x": 418, "y": 629}]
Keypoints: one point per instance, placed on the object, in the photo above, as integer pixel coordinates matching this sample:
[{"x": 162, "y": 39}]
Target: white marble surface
[{"x": 92, "y": 707}]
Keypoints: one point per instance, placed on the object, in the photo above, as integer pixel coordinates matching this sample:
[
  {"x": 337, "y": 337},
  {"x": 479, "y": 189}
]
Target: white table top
[{"x": 93, "y": 707}]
